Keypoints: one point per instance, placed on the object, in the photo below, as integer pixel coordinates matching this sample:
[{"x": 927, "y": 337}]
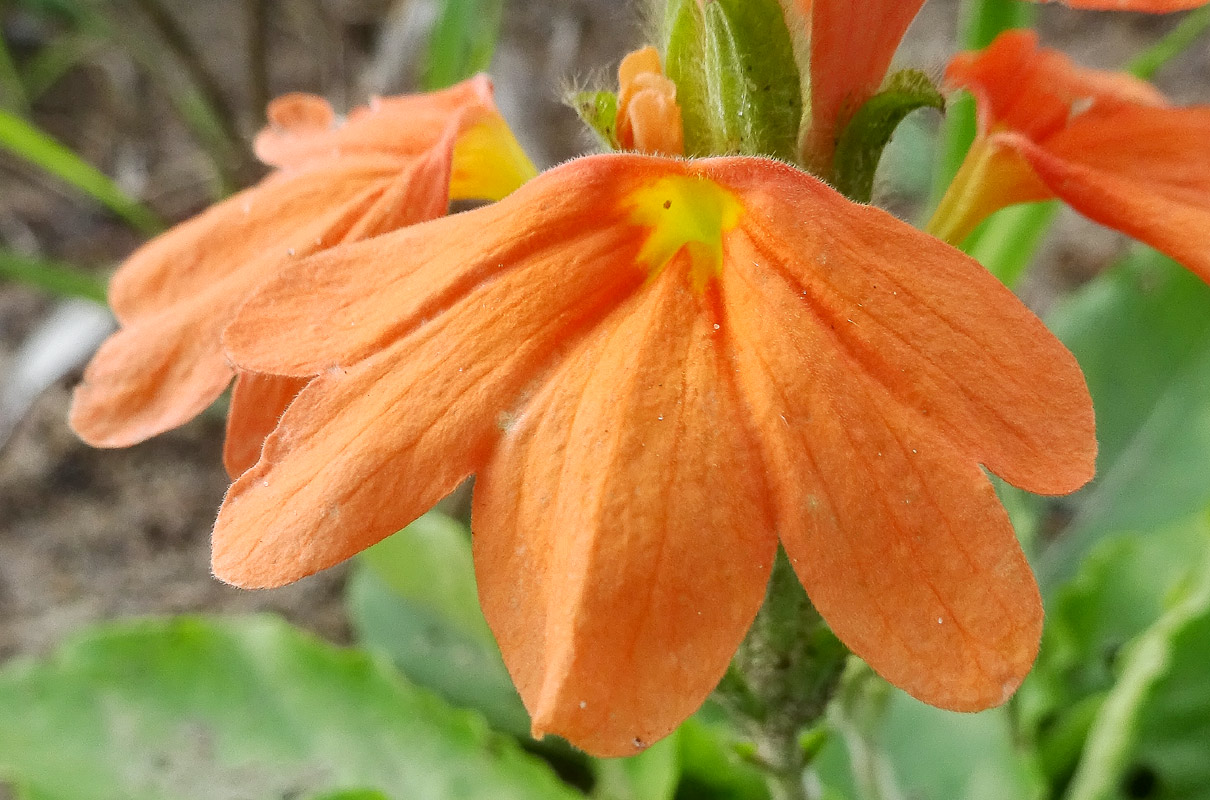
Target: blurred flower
[
  {"x": 658, "y": 368},
  {"x": 395, "y": 163},
  {"x": 850, "y": 46},
  {"x": 1105, "y": 143}
]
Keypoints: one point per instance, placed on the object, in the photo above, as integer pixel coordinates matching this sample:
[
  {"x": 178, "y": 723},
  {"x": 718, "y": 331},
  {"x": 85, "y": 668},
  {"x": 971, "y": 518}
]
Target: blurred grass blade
[
  {"x": 51, "y": 276},
  {"x": 55, "y": 59},
  {"x": 1147, "y": 63},
  {"x": 12, "y": 91},
  {"x": 28, "y": 142},
  {"x": 462, "y": 42}
]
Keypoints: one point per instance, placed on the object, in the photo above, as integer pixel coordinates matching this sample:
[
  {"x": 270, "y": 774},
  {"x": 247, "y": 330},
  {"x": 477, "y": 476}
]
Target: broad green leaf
[
  {"x": 710, "y": 764},
  {"x": 945, "y": 755},
  {"x": 599, "y": 111},
  {"x": 737, "y": 80},
  {"x": 40, "y": 149},
  {"x": 435, "y": 652},
  {"x": 651, "y": 775},
  {"x": 462, "y": 42},
  {"x": 1124, "y": 585},
  {"x": 429, "y": 562},
  {"x": 1152, "y": 736},
  {"x": 1142, "y": 335},
  {"x": 195, "y": 708},
  {"x": 864, "y": 138},
  {"x": 61, "y": 279}
]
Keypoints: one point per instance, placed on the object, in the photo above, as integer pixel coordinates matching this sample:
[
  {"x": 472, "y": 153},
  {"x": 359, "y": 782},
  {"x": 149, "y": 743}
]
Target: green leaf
[
  {"x": 1142, "y": 335},
  {"x": 429, "y": 563},
  {"x": 1152, "y": 736},
  {"x": 861, "y": 144},
  {"x": 737, "y": 80},
  {"x": 52, "y": 276},
  {"x": 1123, "y": 586},
  {"x": 462, "y": 42},
  {"x": 195, "y": 708},
  {"x": 599, "y": 111},
  {"x": 651, "y": 775},
  {"x": 28, "y": 142},
  {"x": 710, "y": 765},
  {"x": 435, "y": 652}
]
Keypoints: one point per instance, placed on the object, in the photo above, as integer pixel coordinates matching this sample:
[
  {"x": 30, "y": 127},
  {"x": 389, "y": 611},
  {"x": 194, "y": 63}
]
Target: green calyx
[
  {"x": 737, "y": 81},
  {"x": 861, "y": 143}
]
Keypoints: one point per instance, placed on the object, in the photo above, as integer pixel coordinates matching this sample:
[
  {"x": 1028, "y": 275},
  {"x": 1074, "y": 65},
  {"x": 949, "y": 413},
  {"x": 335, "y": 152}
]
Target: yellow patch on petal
[
  {"x": 489, "y": 163},
  {"x": 684, "y": 212}
]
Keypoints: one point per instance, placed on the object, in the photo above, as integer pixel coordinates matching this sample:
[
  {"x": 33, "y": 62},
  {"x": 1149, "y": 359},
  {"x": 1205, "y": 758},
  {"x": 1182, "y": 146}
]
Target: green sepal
[
  {"x": 737, "y": 80},
  {"x": 862, "y": 142},
  {"x": 599, "y": 111}
]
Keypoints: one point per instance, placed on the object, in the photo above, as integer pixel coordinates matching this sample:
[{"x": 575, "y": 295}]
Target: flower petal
[
  {"x": 405, "y": 125},
  {"x": 851, "y": 48},
  {"x": 627, "y": 493},
  {"x": 896, "y": 535},
  {"x": 177, "y": 294},
  {"x": 1036, "y": 91},
  {"x": 342, "y": 305},
  {"x": 363, "y": 452},
  {"x": 1143, "y": 171},
  {"x": 943, "y": 337},
  {"x": 281, "y": 212},
  {"x": 257, "y": 403}
]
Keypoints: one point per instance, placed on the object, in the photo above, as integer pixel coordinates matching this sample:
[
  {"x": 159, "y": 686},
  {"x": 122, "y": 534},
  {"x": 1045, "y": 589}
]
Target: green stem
[
  {"x": 782, "y": 678},
  {"x": 54, "y": 277}
]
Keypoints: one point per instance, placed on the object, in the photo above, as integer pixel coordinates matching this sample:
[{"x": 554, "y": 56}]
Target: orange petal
[
  {"x": 265, "y": 219},
  {"x": 364, "y": 451},
  {"x": 151, "y": 377},
  {"x": 896, "y": 535},
  {"x": 403, "y": 125},
  {"x": 257, "y": 403},
  {"x": 882, "y": 368},
  {"x": 1142, "y": 171},
  {"x": 339, "y": 307},
  {"x": 177, "y": 294},
  {"x": 620, "y": 501},
  {"x": 1035, "y": 91},
  {"x": 926, "y": 322},
  {"x": 851, "y": 48}
]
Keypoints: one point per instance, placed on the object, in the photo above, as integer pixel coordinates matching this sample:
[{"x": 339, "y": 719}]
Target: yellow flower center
[{"x": 684, "y": 212}]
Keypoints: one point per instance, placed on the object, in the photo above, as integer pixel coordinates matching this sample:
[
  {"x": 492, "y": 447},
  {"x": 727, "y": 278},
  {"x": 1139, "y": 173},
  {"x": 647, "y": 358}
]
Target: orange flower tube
[{"x": 1105, "y": 143}]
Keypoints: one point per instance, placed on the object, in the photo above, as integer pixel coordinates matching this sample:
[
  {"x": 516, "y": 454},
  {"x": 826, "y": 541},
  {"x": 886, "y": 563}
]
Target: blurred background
[{"x": 121, "y": 116}]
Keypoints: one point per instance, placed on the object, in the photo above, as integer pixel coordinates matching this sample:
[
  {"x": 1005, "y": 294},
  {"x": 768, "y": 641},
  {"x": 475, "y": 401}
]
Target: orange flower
[
  {"x": 393, "y": 164},
  {"x": 1105, "y": 143},
  {"x": 658, "y": 369},
  {"x": 850, "y": 48}
]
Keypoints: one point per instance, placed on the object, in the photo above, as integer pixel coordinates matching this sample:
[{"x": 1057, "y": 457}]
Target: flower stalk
[{"x": 781, "y": 680}]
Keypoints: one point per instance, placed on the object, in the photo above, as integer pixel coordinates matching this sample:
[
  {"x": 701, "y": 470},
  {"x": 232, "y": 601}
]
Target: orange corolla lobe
[
  {"x": 1105, "y": 143},
  {"x": 387, "y": 166},
  {"x": 644, "y": 436}
]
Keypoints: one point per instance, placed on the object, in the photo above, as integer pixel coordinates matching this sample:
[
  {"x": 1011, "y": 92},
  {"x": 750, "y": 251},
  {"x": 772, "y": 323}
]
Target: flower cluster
[{"x": 659, "y": 369}]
